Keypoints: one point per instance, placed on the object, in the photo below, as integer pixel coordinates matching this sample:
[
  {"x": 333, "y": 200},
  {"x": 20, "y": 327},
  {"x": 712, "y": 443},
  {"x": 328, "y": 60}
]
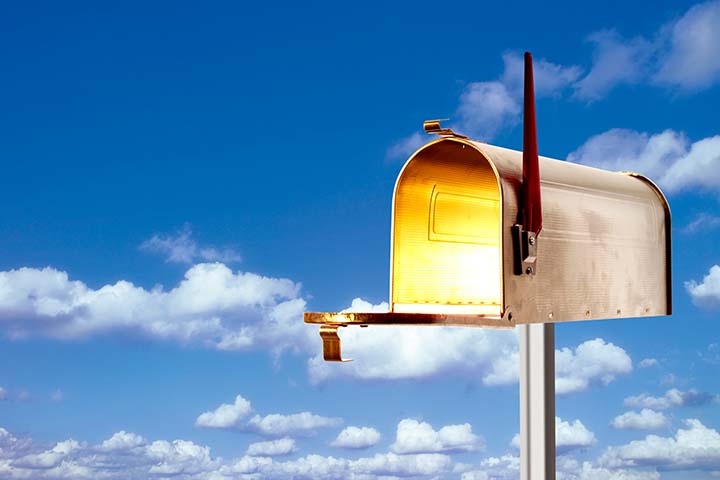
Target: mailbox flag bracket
[{"x": 524, "y": 251}]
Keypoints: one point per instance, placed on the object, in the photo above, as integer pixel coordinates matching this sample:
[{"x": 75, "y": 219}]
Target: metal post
[{"x": 537, "y": 401}]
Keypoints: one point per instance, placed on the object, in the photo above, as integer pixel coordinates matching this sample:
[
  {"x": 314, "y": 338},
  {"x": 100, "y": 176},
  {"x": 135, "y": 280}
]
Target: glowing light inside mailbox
[{"x": 446, "y": 252}]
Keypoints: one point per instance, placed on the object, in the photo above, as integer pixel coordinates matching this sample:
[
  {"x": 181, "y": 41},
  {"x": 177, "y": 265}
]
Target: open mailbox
[{"x": 459, "y": 257}]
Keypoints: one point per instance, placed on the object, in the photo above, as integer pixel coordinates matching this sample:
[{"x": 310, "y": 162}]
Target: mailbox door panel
[{"x": 446, "y": 250}]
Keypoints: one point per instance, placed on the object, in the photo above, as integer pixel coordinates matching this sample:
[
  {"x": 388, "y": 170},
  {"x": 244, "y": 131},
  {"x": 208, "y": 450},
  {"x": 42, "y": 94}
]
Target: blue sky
[{"x": 181, "y": 182}]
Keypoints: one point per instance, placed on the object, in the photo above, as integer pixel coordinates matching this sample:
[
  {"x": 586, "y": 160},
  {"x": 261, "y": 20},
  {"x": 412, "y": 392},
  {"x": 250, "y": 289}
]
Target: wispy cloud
[
  {"x": 672, "y": 398},
  {"x": 182, "y": 248},
  {"x": 688, "y": 58},
  {"x": 702, "y": 223},
  {"x": 681, "y": 55},
  {"x": 647, "y": 362},
  {"x": 616, "y": 61},
  {"x": 486, "y": 107}
]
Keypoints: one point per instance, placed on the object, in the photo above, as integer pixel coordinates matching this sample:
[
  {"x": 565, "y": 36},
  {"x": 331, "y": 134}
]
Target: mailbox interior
[{"x": 447, "y": 233}]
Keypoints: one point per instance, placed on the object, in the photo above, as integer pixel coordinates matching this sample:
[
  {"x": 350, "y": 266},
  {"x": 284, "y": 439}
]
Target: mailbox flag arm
[
  {"x": 531, "y": 208},
  {"x": 530, "y": 212}
]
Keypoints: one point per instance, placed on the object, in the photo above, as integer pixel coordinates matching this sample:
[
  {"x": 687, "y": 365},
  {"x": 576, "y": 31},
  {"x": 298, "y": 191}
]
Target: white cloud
[
  {"x": 672, "y": 398},
  {"x": 178, "y": 457},
  {"x": 616, "y": 61},
  {"x": 227, "y": 415},
  {"x": 691, "y": 61},
  {"x": 407, "y": 146},
  {"x": 182, "y": 248},
  {"x": 414, "y": 352},
  {"x": 303, "y": 423},
  {"x": 51, "y": 457},
  {"x": 504, "y": 467},
  {"x": 218, "y": 308},
  {"x": 237, "y": 416},
  {"x": 413, "y": 436},
  {"x": 122, "y": 440},
  {"x": 567, "y": 468},
  {"x": 272, "y": 448},
  {"x": 212, "y": 306},
  {"x": 706, "y": 293},
  {"x": 126, "y": 456},
  {"x": 568, "y": 436},
  {"x": 711, "y": 354},
  {"x": 593, "y": 360},
  {"x": 571, "y": 436},
  {"x": 489, "y": 355},
  {"x": 474, "y": 475},
  {"x": 356, "y": 438},
  {"x": 668, "y": 157},
  {"x": 593, "y": 472},
  {"x": 378, "y": 466},
  {"x": 694, "y": 447},
  {"x": 3, "y": 394},
  {"x": 680, "y": 54},
  {"x": 647, "y": 362},
  {"x": 646, "y": 419},
  {"x": 486, "y": 107},
  {"x": 702, "y": 223}
]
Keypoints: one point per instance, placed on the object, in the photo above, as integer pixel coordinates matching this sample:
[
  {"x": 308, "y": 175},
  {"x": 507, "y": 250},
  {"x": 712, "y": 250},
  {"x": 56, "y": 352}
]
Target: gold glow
[{"x": 446, "y": 233}]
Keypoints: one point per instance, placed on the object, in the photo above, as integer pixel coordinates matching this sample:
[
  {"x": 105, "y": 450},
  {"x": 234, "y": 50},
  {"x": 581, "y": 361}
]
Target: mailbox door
[{"x": 446, "y": 240}]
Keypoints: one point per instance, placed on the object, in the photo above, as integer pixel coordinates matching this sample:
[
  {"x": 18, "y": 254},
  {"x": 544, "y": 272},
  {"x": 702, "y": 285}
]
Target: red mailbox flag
[{"x": 531, "y": 208}]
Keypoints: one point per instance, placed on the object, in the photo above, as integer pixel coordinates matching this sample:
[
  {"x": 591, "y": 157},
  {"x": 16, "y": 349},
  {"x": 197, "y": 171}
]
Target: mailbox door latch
[
  {"x": 524, "y": 251},
  {"x": 331, "y": 343}
]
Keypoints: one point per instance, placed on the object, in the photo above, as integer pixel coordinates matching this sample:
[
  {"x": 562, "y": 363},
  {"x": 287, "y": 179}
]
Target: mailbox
[
  {"x": 465, "y": 248},
  {"x": 604, "y": 251},
  {"x": 459, "y": 258}
]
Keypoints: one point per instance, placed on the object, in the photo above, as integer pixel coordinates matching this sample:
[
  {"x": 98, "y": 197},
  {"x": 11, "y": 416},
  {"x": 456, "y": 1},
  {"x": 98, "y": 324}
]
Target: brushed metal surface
[{"x": 603, "y": 251}]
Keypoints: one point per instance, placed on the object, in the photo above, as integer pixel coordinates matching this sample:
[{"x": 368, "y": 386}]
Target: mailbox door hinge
[{"x": 524, "y": 251}]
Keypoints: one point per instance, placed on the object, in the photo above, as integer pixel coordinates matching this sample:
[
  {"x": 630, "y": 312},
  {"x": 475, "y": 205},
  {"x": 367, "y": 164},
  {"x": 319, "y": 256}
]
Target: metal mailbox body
[{"x": 604, "y": 250}]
